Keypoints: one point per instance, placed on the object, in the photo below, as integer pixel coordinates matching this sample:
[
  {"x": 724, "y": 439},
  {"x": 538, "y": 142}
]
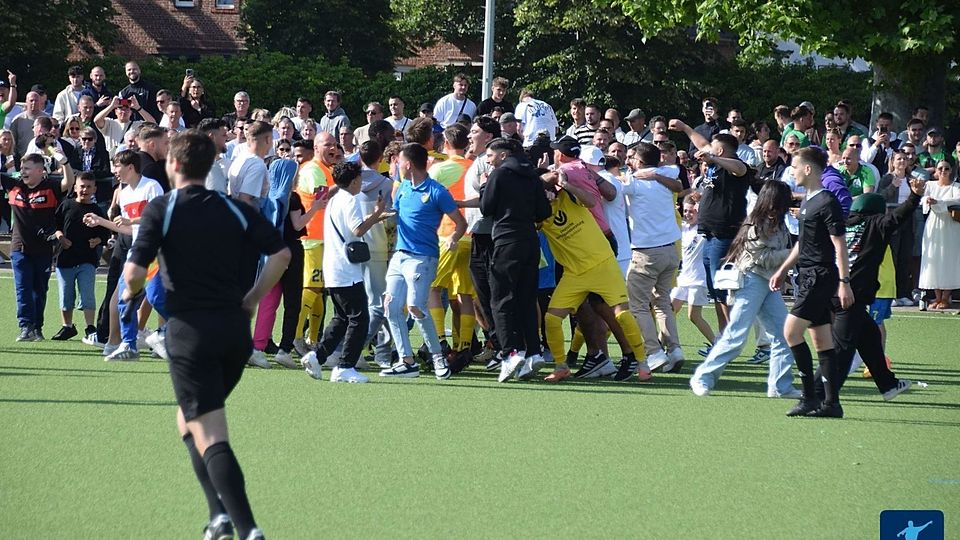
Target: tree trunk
[{"x": 900, "y": 86}]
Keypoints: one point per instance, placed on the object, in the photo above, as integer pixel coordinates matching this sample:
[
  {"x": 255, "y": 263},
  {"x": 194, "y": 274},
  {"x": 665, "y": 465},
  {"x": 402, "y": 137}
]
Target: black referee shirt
[
  {"x": 205, "y": 248},
  {"x": 820, "y": 218}
]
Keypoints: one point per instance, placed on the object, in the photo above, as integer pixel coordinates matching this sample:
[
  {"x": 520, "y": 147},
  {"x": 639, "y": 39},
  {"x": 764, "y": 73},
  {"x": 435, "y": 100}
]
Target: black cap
[
  {"x": 39, "y": 88},
  {"x": 4, "y": 84},
  {"x": 567, "y": 146},
  {"x": 426, "y": 107}
]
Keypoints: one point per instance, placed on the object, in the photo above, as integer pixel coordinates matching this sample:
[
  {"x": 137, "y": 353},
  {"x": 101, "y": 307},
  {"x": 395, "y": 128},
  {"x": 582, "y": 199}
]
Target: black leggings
[
  {"x": 854, "y": 330},
  {"x": 292, "y": 290},
  {"x": 480, "y": 257},
  {"x": 514, "y": 287}
]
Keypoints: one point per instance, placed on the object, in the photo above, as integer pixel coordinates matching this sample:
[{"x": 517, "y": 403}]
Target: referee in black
[{"x": 201, "y": 238}]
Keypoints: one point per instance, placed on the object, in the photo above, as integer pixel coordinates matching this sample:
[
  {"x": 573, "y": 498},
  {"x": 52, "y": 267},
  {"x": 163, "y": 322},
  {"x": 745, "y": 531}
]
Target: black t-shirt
[
  {"x": 820, "y": 218},
  {"x": 152, "y": 168},
  {"x": 34, "y": 211},
  {"x": 70, "y": 220},
  {"x": 290, "y": 235},
  {"x": 723, "y": 206},
  {"x": 486, "y": 106},
  {"x": 204, "y": 253}
]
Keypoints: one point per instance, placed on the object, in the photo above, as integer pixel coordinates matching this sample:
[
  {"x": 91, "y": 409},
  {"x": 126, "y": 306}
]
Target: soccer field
[{"x": 91, "y": 451}]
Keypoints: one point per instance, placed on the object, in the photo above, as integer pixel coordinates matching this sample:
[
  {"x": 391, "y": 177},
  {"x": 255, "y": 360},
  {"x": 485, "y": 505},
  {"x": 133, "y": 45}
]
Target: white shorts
[{"x": 695, "y": 296}]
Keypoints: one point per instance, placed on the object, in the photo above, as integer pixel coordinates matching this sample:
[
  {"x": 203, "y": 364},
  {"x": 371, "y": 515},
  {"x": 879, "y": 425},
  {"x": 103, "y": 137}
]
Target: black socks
[
  {"x": 227, "y": 478},
  {"x": 804, "y": 361},
  {"x": 200, "y": 469},
  {"x": 830, "y": 371}
]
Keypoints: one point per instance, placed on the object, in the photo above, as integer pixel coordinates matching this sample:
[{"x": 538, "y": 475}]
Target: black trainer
[
  {"x": 803, "y": 408},
  {"x": 590, "y": 365},
  {"x": 828, "y": 411},
  {"x": 26, "y": 334},
  {"x": 65, "y": 333},
  {"x": 459, "y": 361},
  {"x": 219, "y": 528},
  {"x": 627, "y": 368},
  {"x": 572, "y": 358},
  {"x": 494, "y": 363},
  {"x": 271, "y": 348},
  {"x": 445, "y": 348}
]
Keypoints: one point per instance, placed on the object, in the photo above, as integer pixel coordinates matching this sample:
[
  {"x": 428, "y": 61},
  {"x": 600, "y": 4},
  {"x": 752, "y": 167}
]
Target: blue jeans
[
  {"x": 82, "y": 277},
  {"x": 375, "y": 282},
  {"x": 753, "y": 300},
  {"x": 155, "y": 294},
  {"x": 31, "y": 278},
  {"x": 408, "y": 283},
  {"x": 713, "y": 253}
]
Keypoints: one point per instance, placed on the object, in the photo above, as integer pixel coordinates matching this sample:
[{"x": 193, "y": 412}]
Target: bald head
[
  {"x": 33, "y": 102},
  {"x": 325, "y": 148},
  {"x": 851, "y": 159},
  {"x": 770, "y": 152}
]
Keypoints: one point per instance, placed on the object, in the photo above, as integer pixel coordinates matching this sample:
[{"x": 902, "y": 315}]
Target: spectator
[
  {"x": 216, "y": 129},
  {"x": 738, "y": 128},
  {"x": 841, "y": 115},
  {"x": 78, "y": 258},
  {"x": 97, "y": 88},
  {"x": 578, "y": 113},
  {"x": 940, "y": 256},
  {"x": 304, "y": 109},
  {"x": 22, "y": 125},
  {"x": 711, "y": 125},
  {"x": 498, "y": 91},
  {"x": 509, "y": 127},
  {"x": 248, "y": 180},
  {"x": 93, "y": 159},
  {"x": 534, "y": 116},
  {"x": 112, "y": 130},
  {"x": 66, "y": 102},
  {"x": 449, "y": 108},
  {"x": 934, "y": 150},
  {"x": 348, "y": 144},
  {"x": 174, "y": 117},
  {"x": 335, "y": 118},
  {"x": 144, "y": 92},
  {"x": 31, "y": 253},
  {"x": 895, "y": 188},
  {"x": 772, "y": 166},
  {"x": 584, "y": 134},
  {"x": 639, "y": 132},
  {"x": 374, "y": 113},
  {"x": 8, "y": 98},
  {"x": 802, "y": 121},
  {"x": 241, "y": 110},
  {"x": 153, "y": 143},
  {"x": 194, "y": 104},
  {"x": 164, "y": 98},
  {"x": 858, "y": 179},
  {"x": 397, "y": 119}
]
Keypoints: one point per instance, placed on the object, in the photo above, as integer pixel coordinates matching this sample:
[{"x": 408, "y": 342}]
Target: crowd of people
[{"x": 488, "y": 210}]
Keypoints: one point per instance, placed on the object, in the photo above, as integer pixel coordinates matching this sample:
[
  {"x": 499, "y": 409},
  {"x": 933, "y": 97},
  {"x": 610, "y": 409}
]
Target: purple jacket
[{"x": 833, "y": 181}]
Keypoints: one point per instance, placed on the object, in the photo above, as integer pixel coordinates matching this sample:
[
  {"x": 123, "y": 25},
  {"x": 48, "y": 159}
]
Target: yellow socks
[
  {"x": 467, "y": 324},
  {"x": 554, "y": 327},
  {"x": 312, "y": 308},
  {"x": 631, "y": 330},
  {"x": 576, "y": 340},
  {"x": 438, "y": 315}
]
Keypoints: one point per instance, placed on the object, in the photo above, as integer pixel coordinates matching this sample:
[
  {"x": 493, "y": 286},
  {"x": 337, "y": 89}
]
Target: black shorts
[
  {"x": 816, "y": 288},
  {"x": 208, "y": 351}
]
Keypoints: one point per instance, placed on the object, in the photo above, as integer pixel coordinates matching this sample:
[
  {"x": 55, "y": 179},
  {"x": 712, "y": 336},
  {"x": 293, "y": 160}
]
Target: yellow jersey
[{"x": 574, "y": 237}]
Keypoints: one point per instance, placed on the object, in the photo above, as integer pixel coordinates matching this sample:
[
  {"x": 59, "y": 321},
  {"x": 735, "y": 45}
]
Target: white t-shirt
[
  {"x": 113, "y": 132},
  {"x": 448, "y": 109},
  {"x": 616, "y": 213},
  {"x": 399, "y": 125},
  {"x": 165, "y": 123},
  {"x": 653, "y": 215},
  {"x": 248, "y": 174},
  {"x": 536, "y": 116},
  {"x": 343, "y": 210},
  {"x": 692, "y": 272},
  {"x": 133, "y": 201},
  {"x": 748, "y": 155},
  {"x": 471, "y": 182},
  {"x": 217, "y": 177}
]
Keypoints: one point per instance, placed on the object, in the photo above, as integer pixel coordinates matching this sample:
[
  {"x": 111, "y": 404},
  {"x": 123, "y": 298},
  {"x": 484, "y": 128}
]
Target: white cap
[{"x": 592, "y": 155}]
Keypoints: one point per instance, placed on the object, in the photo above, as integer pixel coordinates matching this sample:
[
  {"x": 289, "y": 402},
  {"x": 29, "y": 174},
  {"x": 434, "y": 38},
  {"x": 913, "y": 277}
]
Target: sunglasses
[
  {"x": 371, "y": 112},
  {"x": 86, "y": 138},
  {"x": 283, "y": 149},
  {"x": 74, "y": 129},
  {"x": 854, "y": 145}
]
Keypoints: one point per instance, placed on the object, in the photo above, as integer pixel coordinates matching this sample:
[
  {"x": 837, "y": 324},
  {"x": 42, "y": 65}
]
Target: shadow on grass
[
  {"x": 121, "y": 402},
  {"x": 84, "y": 370},
  {"x": 935, "y": 423},
  {"x": 26, "y": 374},
  {"x": 93, "y": 353}
]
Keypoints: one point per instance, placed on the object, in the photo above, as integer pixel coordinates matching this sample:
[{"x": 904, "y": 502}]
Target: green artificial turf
[{"x": 90, "y": 450}]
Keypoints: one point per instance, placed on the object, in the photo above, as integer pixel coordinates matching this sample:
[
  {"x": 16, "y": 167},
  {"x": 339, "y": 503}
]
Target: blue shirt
[{"x": 419, "y": 210}]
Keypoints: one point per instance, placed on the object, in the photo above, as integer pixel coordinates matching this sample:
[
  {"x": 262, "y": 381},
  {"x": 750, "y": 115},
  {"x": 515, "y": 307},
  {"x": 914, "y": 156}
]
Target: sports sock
[
  {"x": 214, "y": 504},
  {"x": 631, "y": 330},
  {"x": 804, "y": 360},
  {"x": 830, "y": 372},
  {"x": 227, "y": 477},
  {"x": 316, "y": 317},
  {"x": 576, "y": 340},
  {"x": 554, "y": 327},
  {"x": 467, "y": 324},
  {"x": 438, "y": 314}
]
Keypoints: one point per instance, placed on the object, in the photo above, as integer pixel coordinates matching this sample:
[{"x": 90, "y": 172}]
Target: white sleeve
[
  {"x": 352, "y": 216},
  {"x": 154, "y": 190},
  {"x": 670, "y": 171},
  {"x": 251, "y": 182}
]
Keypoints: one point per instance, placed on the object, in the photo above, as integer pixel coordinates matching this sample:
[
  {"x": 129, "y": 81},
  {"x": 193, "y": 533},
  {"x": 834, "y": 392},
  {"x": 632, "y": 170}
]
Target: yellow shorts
[
  {"x": 313, "y": 267},
  {"x": 604, "y": 279},
  {"x": 453, "y": 269}
]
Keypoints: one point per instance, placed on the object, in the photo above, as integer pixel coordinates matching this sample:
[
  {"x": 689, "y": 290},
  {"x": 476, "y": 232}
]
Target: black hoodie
[
  {"x": 867, "y": 238},
  {"x": 514, "y": 197}
]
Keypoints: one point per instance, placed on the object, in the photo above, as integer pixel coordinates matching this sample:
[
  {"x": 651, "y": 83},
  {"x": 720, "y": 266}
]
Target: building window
[
  {"x": 225, "y": 4},
  {"x": 184, "y": 3}
]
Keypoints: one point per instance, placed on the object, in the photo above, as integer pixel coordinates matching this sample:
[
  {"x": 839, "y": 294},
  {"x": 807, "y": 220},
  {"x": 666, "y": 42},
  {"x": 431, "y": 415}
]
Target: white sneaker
[
  {"x": 142, "y": 336},
  {"x": 902, "y": 386},
  {"x": 312, "y": 366},
  {"x": 440, "y": 367},
  {"x": 156, "y": 342},
  {"x": 792, "y": 394},
  {"x": 109, "y": 348},
  {"x": 300, "y": 345},
  {"x": 255, "y": 534},
  {"x": 122, "y": 353},
  {"x": 285, "y": 359},
  {"x": 675, "y": 361},
  {"x": 91, "y": 339},
  {"x": 510, "y": 365},
  {"x": 348, "y": 375},
  {"x": 531, "y": 367},
  {"x": 699, "y": 389},
  {"x": 259, "y": 359},
  {"x": 657, "y": 360}
]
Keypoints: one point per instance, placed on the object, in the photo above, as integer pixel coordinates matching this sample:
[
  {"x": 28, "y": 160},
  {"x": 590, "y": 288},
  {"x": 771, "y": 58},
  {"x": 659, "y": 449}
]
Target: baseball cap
[
  {"x": 426, "y": 107},
  {"x": 808, "y": 105},
  {"x": 506, "y": 118},
  {"x": 567, "y": 146},
  {"x": 592, "y": 155},
  {"x": 4, "y": 84},
  {"x": 39, "y": 88},
  {"x": 934, "y": 131},
  {"x": 635, "y": 113}
]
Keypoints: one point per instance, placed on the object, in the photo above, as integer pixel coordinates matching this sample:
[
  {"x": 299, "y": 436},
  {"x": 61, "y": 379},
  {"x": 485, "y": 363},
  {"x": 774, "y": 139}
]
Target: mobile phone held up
[
  {"x": 124, "y": 102},
  {"x": 321, "y": 192},
  {"x": 189, "y": 72}
]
